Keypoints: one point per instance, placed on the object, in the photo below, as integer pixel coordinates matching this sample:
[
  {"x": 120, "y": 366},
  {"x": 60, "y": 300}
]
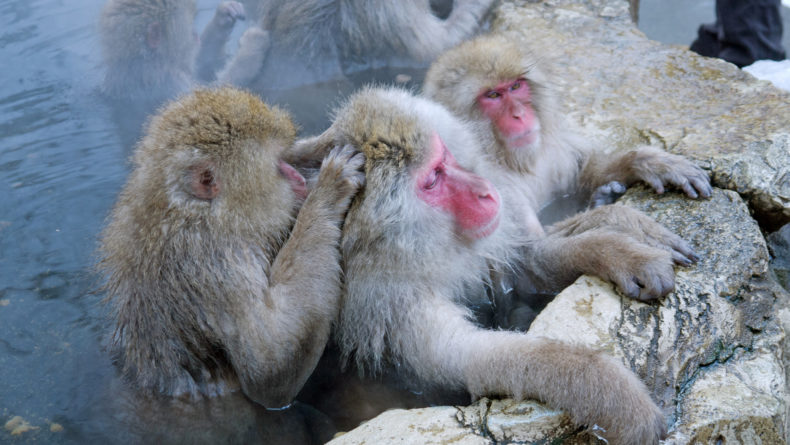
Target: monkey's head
[
  {"x": 415, "y": 188},
  {"x": 211, "y": 163},
  {"x": 149, "y": 31},
  {"x": 496, "y": 82}
]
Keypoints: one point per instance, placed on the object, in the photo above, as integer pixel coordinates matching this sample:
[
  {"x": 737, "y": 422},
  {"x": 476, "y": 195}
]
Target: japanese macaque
[
  {"x": 423, "y": 232},
  {"x": 321, "y": 40},
  {"x": 501, "y": 88},
  {"x": 151, "y": 52},
  {"x": 215, "y": 280}
]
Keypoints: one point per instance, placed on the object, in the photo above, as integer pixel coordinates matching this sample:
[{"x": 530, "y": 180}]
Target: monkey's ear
[
  {"x": 153, "y": 35},
  {"x": 203, "y": 182}
]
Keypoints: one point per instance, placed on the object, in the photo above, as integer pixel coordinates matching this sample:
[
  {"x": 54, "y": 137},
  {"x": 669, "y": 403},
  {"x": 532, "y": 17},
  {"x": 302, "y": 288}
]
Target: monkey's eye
[
  {"x": 492, "y": 95},
  {"x": 516, "y": 85},
  {"x": 433, "y": 178}
]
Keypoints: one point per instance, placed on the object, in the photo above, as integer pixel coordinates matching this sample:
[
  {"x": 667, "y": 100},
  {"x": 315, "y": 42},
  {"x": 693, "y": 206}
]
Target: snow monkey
[
  {"x": 214, "y": 279},
  {"x": 151, "y": 52},
  {"x": 502, "y": 90},
  {"x": 424, "y": 230},
  {"x": 322, "y": 40},
  {"x": 501, "y": 87}
]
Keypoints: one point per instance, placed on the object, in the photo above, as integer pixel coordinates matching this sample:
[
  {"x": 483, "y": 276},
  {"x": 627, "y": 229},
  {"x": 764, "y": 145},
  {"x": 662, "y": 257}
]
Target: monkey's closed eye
[{"x": 433, "y": 179}]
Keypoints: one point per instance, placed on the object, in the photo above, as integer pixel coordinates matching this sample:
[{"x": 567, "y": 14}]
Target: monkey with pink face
[
  {"x": 506, "y": 93},
  {"x": 222, "y": 271},
  {"x": 428, "y": 227},
  {"x": 503, "y": 91}
]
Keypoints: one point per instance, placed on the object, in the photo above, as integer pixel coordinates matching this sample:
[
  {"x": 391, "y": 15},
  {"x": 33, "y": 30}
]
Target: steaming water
[
  {"x": 62, "y": 163},
  {"x": 63, "y": 160}
]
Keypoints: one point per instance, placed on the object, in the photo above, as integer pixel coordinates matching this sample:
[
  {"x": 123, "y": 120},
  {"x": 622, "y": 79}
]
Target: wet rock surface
[{"x": 714, "y": 352}]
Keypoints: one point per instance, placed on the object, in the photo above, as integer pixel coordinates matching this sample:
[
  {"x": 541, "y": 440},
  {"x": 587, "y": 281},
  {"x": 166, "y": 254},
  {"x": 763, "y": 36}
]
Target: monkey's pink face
[
  {"x": 509, "y": 106},
  {"x": 470, "y": 199},
  {"x": 294, "y": 178}
]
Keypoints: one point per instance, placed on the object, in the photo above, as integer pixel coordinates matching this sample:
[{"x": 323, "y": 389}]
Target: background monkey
[
  {"x": 330, "y": 46},
  {"x": 422, "y": 233},
  {"x": 501, "y": 87},
  {"x": 151, "y": 54},
  {"x": 212, "y": 281}
]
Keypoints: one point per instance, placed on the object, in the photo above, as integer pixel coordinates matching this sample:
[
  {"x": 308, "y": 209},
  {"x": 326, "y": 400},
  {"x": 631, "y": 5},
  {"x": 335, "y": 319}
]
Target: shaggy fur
[
  {"x": 407, "y": 273},
  {"x": 213, "y": 278}
]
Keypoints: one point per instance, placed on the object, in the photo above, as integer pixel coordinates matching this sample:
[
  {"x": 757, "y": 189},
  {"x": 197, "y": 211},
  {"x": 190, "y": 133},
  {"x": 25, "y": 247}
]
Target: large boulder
[{"x": 713, "y": 352}]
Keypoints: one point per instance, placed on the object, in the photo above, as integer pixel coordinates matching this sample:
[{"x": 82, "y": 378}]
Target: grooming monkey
[
  {"x": 423, "y": 232},
  {"x": 215, "y": 280},
  {"x": 502, "y": 89}
]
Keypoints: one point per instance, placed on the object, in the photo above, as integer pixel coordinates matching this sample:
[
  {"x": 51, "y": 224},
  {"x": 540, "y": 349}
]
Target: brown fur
[
  {"x": 214, "y": 279},
  {"x": 407, "y": 272}
]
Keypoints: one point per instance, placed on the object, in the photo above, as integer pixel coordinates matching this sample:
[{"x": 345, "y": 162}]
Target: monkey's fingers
[
  {"x": 627, "y": 284},
  {"x": 655, "y": 182},
  {"x": 682, "y": 252},
  {"x": 691, "y": 179},
  {"x": 702, "y": 185},
  {"x": 652, "y": 275},
  {"x": 232, "y": 10},
  {"x": 655, "y": 284},
  {"x": 351, "y": 162}
]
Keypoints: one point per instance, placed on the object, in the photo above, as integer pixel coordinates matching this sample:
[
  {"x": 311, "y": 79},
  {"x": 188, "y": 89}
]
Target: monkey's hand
[
  {"x": 639, "y": 270},
  {"x": 228, "y": 13},
  {"x": 658, "y": 168},
  {"x": 633, "y": 223},
  {"x": 341, "y": 176},
  {"x": 607, "y": 194}
]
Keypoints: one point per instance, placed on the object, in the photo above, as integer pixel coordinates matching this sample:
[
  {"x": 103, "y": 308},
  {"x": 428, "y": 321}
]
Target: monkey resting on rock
[{"x": 426, "y": 229}]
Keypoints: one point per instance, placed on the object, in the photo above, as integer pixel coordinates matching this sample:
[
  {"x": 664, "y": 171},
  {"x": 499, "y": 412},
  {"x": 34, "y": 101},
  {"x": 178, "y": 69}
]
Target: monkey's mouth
[
  {"x": 524, "y": 140},
  {"x": 486, "y": 230}
]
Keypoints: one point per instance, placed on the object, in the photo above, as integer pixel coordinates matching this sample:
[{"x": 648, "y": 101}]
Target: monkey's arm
[
  {"x": 248, "y": 60},
  {"x": 426, "y": 36},
  {"x": 211, "y": 53},
  {"x": 631, "y": 222},
  {"x": 655, "y": 167},
  {"x": 303, "y": 298},
  {"x": 637, "y": 268},
  {"x": 592, "y": 388}
]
